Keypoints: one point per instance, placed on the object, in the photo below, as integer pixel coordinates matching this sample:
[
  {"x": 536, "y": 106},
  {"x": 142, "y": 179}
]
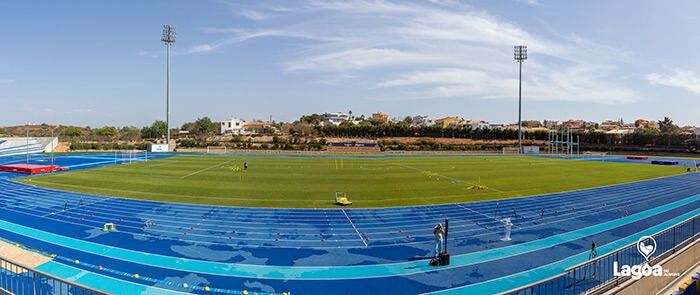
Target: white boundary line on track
[
  {"x": 205, "y": 169},
  {"x": 353, "y": 226}
]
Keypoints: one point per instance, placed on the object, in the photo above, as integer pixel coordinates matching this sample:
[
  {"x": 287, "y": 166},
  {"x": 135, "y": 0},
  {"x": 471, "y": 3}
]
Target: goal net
[
  {"x": 511, "y": 150},
  {"x": 130, "y": 156},
  {"x": 216, "y": 149},
  {"x": 594, "y": 156}
]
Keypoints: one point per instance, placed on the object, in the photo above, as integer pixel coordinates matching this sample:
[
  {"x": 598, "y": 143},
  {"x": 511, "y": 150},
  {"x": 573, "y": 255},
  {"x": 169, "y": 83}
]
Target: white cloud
[
  {"x": 432, "y": 50},
  {"x": 80, "y": 111},
  {"x": 254, "y": 15},
  {"x": 354, "y": 59},
  {"x": 32, "y": 109},
  {"x": 7, "y": 81},
  {"x": 680, "y": 78}
]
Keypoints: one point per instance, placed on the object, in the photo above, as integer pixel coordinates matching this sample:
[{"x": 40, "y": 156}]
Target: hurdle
[{"x": 108, "y": 227}]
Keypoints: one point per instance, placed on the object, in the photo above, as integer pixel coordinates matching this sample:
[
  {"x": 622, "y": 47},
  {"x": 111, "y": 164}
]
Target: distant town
[{"x": 241, "y": 127}]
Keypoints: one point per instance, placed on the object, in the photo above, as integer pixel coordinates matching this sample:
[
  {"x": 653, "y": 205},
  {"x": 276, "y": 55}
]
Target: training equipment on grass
[
  {"x": 216, "y": 149},
  {"x": 109, "y": 226},
  {"x": 479, "y": 186},
  {"x": 341, "y": 199},
  {"x": 507, "y": 224}
]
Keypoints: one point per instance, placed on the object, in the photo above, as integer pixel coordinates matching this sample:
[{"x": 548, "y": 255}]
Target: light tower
[
  {"x": 169, "y": 34},
  {"x": 520, "y": 56}
]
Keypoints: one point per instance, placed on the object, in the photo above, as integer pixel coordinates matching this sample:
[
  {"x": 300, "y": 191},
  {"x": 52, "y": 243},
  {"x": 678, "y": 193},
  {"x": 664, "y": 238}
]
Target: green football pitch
[{"x": 289, "y": 182}]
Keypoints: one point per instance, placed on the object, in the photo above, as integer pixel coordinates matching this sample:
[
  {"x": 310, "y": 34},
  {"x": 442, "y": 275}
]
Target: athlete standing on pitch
[{"x": 245, "y": 166}]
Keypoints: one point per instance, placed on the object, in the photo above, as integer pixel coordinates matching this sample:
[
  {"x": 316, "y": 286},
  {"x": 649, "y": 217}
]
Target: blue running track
[{"x": 321, "y": 251}]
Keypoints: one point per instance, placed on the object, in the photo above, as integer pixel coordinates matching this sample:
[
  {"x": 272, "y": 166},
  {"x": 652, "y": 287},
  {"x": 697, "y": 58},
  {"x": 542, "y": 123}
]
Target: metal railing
[
  {"x": 18, "y": 279},
  {"x": 597, "y": 275}
]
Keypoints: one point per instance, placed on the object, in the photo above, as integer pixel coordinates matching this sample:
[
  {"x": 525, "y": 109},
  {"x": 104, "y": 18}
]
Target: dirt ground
[{"x": 27, "y": 258}]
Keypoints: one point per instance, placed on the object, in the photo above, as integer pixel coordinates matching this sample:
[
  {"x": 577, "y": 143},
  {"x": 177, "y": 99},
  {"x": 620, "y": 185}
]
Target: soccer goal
[
  {"x": 130, "y": 156},
  {"x": 216, "y": 149},
  {"x": 511, "y": 150},
  {"x": 594, "y": 156}
]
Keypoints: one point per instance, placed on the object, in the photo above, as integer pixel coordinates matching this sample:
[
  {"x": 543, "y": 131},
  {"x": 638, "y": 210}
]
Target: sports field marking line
[
  {"x": 205, "y": 169},
  {"x": 455, "y": 179},
  {"x": 477, "y": 212},
  {"x": 452, "y": 196},
  {"x": 75, "y": 207},
  {"x": 36, "y": 215},
  {"x": 583, "y": 254},
  {"x": 39, "y": 190},
  {"x": 159, "y": 194},
  {"x": 203, "y": 212},
  {"x": 576, "y": 216},
  {"x": 313, "y": 270},
  {"x": 84, "y": 272},
  {"x": 353, "y": 226}
]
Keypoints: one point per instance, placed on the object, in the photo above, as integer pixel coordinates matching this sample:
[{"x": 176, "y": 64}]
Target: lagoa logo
[{"x": 646, "y": 246}]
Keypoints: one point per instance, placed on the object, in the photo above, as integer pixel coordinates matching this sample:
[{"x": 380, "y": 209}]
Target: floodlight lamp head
[
  {"x": 169, "y": 34},
  {"x": 520, "y": 53}
]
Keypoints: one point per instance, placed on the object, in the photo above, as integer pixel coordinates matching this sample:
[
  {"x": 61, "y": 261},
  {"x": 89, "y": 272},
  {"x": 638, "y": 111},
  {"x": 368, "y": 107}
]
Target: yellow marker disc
[
  {"x": 77, "y": 261},
  {"x": 136, "y": 276},
  {"x": 206, "y": 288},
  {"x": 245, "y": 292}
]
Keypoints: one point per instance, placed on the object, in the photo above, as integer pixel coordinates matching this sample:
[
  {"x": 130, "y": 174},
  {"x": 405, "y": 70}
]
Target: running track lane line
[
  {"x": 100, "y": 282},
  {"x": 511, "y": 282},
  {"x": 325, "y": 272},
  {"x": 353, "y": 226}
]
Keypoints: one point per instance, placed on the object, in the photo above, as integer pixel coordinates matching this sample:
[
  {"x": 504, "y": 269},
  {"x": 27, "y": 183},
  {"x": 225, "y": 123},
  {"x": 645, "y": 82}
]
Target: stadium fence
[
  {"x": 596, "y": 275},
  {"x": 19, "y": 279}
]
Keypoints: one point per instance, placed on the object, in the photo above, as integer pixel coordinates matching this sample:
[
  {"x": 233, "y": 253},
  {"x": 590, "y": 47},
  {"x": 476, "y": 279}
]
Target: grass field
[{"x": 311, "y": 182}]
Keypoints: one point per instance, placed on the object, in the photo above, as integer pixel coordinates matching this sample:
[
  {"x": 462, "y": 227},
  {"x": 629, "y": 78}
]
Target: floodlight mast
[
  {"x": 520, "y": 56},
  {"x": 169, "y": 35}
]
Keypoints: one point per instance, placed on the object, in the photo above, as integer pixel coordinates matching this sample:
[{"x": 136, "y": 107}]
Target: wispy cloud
[
  {"x": 7, "y": 81},
  {"x": 428, "y": 50},
  {"x": 254, "y": 15},
  {"x": 685, "y": 79},
  {"x": 80, "y": 111},
  {"x": 32, "y": 109}
]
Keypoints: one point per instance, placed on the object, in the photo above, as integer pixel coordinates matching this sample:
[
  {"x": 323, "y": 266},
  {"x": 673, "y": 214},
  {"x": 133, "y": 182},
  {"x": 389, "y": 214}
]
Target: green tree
[
  {"x": 313, "y": 119},
  {"x": 130, "y": 133},
  {"x": 667, "y": 126},
  {"x": 72, "y": 132},
  {"x": 156, "y": 130},
  {"x": 107, "y": 131},
  {"x": 205, "y": 126},
  {"x": 190, "y": 127}
]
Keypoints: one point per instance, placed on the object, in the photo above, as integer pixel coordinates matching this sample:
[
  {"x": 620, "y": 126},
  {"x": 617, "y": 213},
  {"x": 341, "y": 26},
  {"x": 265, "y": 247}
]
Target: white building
[
  {"x": 424, "y": 121},
  {"x": 478, "y": 125},
  {"x": 233, "y": 126},
  {"x": 335, "y": 118}
]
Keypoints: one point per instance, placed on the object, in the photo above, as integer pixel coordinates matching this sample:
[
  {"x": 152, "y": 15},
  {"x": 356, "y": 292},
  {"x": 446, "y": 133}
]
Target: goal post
[
  {"x": 511, "y": 150},
  {"x": 216, "y": 149},
  {"x": 594, "y": 156},
  {"x": 130, "y": 156}
]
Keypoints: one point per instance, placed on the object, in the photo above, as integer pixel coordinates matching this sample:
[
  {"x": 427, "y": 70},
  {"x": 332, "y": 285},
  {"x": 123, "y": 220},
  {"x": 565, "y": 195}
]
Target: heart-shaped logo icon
[{"x": 646, "y": 246}]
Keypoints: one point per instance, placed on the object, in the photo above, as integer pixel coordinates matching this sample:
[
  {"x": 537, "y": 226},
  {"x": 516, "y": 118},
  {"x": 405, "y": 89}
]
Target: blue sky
[{"x": 102, "y": 63}]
